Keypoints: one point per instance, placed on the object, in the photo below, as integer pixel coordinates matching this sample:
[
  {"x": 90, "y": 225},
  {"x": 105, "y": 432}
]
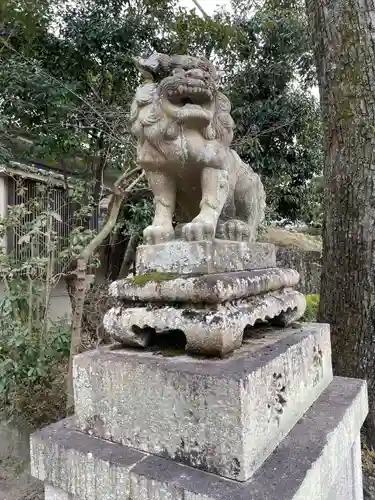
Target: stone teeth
[{"x": 181, "y": 89}]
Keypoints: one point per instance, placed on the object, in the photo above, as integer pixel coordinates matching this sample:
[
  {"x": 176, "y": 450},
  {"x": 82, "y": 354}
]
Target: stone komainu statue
[{"x": 184, "y": 131}]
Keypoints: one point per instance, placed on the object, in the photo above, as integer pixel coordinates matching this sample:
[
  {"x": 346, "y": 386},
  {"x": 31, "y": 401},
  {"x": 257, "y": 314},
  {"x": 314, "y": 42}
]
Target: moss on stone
[
  {"x": 142, "y": 279},
  {"x": 312, "y": 306},
  {"x": 171, "y": 352}
]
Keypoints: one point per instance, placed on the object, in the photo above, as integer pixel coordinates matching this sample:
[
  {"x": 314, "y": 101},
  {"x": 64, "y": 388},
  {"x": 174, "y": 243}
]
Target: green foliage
[
  {"x": 33, "y": 355},
  {"x": 33, "y": 349},
  {"x": 136, "y": 216},
  {"x": 46, "y": 236},
  {"x": 313, "y": 211},
  {"x": 278, "y": 122},
  {"x": 312, "y": 306}
]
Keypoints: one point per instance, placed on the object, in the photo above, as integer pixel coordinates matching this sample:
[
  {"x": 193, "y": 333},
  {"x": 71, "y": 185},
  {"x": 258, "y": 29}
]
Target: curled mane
[
  {"x": 222, "y": 125},
  {"x": 149, "y": 122}
]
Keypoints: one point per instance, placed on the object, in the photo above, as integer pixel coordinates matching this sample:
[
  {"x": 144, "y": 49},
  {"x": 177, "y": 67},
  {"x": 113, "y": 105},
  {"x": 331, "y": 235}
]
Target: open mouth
[
  {"x": 186, "y": 95},
  {"x": 186, "y": 100}
]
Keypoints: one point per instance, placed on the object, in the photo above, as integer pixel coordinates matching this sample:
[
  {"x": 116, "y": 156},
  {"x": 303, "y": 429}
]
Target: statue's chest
[
  {"x": 183, "y": 154},
  {"x": 192, "y": 149}
]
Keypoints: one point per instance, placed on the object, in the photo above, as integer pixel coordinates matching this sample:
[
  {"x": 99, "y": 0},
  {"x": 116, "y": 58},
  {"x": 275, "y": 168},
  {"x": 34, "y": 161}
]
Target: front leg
[
  {"x": 215, "y": 189},
  {"x": 164, "y": 191}
]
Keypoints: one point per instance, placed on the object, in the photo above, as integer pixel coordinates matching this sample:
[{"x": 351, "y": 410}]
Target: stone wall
[{"x": 306, "y": 262}]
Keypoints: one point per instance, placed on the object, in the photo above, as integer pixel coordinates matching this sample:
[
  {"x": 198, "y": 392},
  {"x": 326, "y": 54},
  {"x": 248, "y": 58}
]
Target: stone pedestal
[
  {"x": 112, "y": 472},
  {"x": 222, "y": 416},
  {"x": 213, "y": 311},
  {"x": 254, "y": 414},
  {"x": 267, "y": 423},
  {"x": 204, "y": 257}
]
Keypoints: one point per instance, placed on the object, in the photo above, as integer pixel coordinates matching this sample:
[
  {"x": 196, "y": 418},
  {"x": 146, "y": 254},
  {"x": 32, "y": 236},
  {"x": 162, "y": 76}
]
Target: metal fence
[{"x": 40, "y": 198}]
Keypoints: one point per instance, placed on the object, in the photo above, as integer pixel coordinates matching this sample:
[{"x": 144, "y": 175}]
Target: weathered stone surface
[
  {"x": 223, "y": 416},
  {"x": 204, "y": 257},
  {"x": 349, "y": 481},
  {"x": 213, "y": 330},
  {"x": 52, "y": 493},
  {"x": 304, "y": 467},
  {"x": 206, "y": 289},
  {"x": 132, "y": 337},
  {"x": 184, "y": 129}
]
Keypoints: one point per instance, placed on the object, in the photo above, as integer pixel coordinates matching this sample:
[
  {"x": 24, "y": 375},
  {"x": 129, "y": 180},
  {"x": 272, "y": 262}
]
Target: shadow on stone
[{"x": 169, "y": 341}]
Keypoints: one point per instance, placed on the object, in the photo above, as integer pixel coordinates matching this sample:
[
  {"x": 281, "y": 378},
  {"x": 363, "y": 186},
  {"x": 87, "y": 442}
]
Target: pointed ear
[
  {"x": 139, "y": 64},
  {"x": 137, "y": 61}
]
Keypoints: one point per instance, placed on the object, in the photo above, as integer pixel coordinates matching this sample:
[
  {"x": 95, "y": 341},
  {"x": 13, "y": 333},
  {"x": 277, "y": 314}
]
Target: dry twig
[{"x": 84, "y": 280}]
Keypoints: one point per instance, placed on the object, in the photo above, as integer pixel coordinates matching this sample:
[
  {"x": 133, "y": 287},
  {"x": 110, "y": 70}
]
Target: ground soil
[
  {"x": 16, "y": 482},
  {"x": 368, "y": 462},
  {"x": 293, "y": 239}
]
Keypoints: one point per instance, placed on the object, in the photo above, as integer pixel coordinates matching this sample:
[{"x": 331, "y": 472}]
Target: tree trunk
[{"x": 344, "y": 33}]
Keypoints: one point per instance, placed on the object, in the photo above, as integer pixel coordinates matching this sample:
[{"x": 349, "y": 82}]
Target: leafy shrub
[
  {"x": 312, "y": 305},
  {"x": 33, "y": 356},
  {"x": 34, "y": 351}
]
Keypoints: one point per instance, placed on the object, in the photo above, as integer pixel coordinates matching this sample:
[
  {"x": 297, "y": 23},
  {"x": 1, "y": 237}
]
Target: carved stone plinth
[
  {"x": 214, "y": 331},
  {"x": 213, "y": 311},
  {"x": 207, "y": 289},
  {"x": 204, "y": 257}
]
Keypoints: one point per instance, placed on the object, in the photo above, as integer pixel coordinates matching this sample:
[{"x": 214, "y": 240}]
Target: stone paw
[
  {"x": 158, "y": 234},
  {"x": 235, "y": 230},
  {"x": 197, "y": 231}
]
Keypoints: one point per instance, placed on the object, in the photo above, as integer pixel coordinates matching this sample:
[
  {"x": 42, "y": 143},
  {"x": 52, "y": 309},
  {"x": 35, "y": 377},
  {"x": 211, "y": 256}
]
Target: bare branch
[
  {"x": 199, "y": 7},
  {"x": 83, "y": 281}
]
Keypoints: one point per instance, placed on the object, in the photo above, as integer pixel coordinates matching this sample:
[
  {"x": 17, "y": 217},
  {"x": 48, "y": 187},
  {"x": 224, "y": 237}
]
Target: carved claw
[
  {"x": 236, "y": 230},
  {"x": 196, "y": 231},
  {"x": 153, "y": 235}
]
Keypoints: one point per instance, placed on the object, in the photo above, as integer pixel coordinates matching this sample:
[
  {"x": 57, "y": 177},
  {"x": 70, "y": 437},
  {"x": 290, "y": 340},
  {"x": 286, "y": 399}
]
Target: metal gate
[{"x": 41, "y": 200}]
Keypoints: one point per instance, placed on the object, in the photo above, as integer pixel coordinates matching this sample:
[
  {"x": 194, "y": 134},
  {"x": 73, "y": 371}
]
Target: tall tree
[
  {"x": 277, "y": 117},
  {"x": 345, "y": 53}
]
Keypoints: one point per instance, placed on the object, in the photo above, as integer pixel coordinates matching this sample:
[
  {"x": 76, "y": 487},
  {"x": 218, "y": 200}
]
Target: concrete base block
[
  {"x": 222, "y": 416},
  {"x": 204, "y": 257},
  {"x": 307, "y": 465},
  {"x": 51, "y": 493},
  {"x": 349, "y": 481}
]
